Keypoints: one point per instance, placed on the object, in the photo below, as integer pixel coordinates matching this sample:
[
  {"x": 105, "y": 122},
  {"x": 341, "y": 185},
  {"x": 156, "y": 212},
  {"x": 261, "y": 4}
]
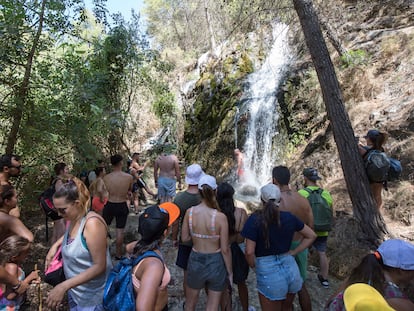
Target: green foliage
[
  {"x": 354, "y": 58},
  {"x": 84, "y": 82}
]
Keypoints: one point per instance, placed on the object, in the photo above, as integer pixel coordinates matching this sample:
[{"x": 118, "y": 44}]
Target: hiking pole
[{"x": 39, "y": 291}]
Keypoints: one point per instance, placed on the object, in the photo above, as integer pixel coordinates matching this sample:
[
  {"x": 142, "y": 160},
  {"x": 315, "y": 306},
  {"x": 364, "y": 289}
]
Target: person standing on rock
[
  {"x": 293, "y": 202},
  {"x": 269, "y": 235},
  {"x": 184, "y": 200},
  {"x": 311, "y": 176},
  {"x": 166, "y": 175},
  {"x": 119, "y": 185},
  {"x": 239, "y": 156}
]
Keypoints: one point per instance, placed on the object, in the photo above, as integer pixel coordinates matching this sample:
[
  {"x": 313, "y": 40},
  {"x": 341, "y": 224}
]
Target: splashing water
[{"x": 261, "y": 103}]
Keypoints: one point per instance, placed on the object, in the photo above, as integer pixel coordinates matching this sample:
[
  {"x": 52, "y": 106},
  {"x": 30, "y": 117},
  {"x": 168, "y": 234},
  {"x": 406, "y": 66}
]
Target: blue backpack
[
  {"x": 119, "y": 292},
  {"x": 395, "y": 169}
]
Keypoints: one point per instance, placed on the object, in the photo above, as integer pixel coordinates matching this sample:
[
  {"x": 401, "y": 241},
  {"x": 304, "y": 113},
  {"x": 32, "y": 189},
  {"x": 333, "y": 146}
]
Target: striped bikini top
[{"x": 212, "y": 227}]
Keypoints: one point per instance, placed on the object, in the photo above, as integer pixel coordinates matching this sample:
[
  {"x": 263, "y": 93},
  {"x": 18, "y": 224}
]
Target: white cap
[
  {"x": 207, "y": 180},
  {"x": 270, "y": 192}
]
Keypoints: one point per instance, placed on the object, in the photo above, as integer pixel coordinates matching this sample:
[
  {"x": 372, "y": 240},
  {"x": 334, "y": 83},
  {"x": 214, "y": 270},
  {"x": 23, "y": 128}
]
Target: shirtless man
[
  {"x": 118, "y": 184},
  {"x": 137, "y": 170},
  {"x": 291, "y": 201},
  {"x": 166, "y": 174},
  {"x": 239, "y": 156},
  {"x": 10, "y": 166}
]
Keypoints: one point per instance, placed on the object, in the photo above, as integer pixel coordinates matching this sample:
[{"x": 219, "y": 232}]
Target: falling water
[{"x": 261, "y": 103}]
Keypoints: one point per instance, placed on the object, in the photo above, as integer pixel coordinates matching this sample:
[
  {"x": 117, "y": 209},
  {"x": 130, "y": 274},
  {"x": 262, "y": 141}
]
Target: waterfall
[{"x": 260, "y": 102}]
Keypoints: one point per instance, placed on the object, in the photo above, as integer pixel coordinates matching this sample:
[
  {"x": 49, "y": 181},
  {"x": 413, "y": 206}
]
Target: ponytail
[
  {"x": 209, "y": 196},
  {"x": 269, "y": 215},
  {"x": 74, "y": 189}
]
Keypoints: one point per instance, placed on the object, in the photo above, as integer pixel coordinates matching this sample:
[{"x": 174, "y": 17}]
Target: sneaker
[{"x": 324, "y": 282}]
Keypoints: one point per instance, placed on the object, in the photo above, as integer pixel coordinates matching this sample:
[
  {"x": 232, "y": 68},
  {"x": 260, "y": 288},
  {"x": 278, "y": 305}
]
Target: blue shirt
[{"x": 280, "y": 238}]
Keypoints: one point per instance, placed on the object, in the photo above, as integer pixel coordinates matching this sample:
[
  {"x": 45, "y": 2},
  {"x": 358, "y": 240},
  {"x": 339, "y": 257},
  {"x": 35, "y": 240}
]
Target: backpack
[
  {"x": 322, "y": 212},
  {"x": 46, "y": 202},
  {"x": 119, "y": 292},
  {"x": 377, "y": 165},
  {"x": 395, "y": 169}
]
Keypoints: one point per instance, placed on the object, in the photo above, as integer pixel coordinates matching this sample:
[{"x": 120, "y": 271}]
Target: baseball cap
[
  {"x": 155, "y": 219},
  {"x": 193, "y": 174},
  {"x": 173, "y": 211},
  {"x": 363, "y": 297},
  {"x": 372, "y": 134},
  {"x": 207, "y": 180},
  {"x": 270, "y": 192},
  {"x": 397, "y": 254},
  {"x": 311, "y": 173}
]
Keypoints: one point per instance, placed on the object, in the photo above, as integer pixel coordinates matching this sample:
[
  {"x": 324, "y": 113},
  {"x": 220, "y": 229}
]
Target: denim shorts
[
  {"x": 277, "y": 275},
  {"x": 320, "y": 243},
  {"x": 206, "y": 271}
]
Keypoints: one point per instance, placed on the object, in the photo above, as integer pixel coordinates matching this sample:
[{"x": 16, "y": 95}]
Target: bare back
[
  {"x": 167, "y": 166},
  {"x": 10, "y": 225},
  {"x": 291, "y": 201},
  {"x": 202, "y": 225},
  {"x": 118, "y": 184}
]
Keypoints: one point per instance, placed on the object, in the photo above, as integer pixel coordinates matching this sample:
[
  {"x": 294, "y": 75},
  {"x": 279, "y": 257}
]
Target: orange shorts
[{"x": 97, "y": 205}]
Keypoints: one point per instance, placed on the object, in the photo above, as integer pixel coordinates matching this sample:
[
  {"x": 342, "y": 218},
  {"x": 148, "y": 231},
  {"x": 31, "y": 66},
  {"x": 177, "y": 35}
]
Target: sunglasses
[{"x": 61, "y": 210}]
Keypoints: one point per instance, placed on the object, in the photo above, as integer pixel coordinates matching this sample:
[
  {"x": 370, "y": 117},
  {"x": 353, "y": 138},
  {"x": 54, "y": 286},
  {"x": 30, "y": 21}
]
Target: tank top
[{"x": 76, "y": 259}]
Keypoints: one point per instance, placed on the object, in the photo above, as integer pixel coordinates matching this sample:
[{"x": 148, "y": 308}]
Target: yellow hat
[{"x": 363, "y": 297}]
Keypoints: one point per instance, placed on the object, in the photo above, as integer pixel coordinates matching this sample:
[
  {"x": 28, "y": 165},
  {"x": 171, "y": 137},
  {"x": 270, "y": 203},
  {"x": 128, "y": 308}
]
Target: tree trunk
[
  {"x": 22, "y": 91},
  {"x": 364, "y": 207}
]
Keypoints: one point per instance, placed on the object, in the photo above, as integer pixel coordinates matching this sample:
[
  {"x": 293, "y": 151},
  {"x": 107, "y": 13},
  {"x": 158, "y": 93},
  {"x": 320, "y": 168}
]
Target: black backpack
[
  {"x": 322, "y": 211},
  {"x": 377, "y": 165},
  {"x": 46, "y": 202}
]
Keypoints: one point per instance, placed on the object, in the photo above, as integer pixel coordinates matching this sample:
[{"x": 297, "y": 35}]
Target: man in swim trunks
[
  {"x": 291, "y": 201},
  {"x": 166, "y": 174},
  {"x": 118, "y": 184}
]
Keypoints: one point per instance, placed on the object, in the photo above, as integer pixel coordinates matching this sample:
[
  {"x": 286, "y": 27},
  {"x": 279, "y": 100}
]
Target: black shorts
[
  {"x": 183, "y": 255},
  {"x": 119, "y": 211}
]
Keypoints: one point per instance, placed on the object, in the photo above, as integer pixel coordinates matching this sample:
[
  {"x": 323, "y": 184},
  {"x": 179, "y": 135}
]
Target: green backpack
[{"x": 322, "y": 212}]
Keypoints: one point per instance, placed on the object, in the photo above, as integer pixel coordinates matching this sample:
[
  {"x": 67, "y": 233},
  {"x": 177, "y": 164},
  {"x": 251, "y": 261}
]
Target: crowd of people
[{"x": 218, "y": 243}]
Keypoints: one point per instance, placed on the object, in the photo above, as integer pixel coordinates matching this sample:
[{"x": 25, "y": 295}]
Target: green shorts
[{"x": 301, "y": 260}]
